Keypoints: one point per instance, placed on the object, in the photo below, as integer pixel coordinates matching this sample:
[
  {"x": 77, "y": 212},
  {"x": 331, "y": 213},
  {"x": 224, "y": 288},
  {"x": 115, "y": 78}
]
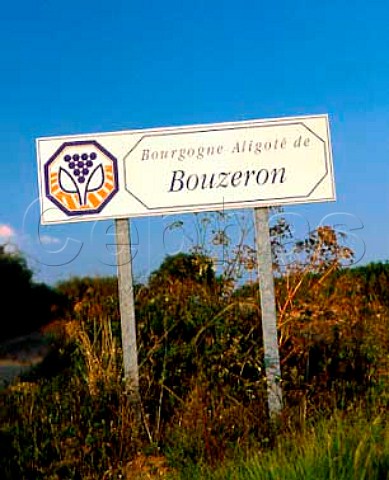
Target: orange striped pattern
[{"x": 94, "y": 199}]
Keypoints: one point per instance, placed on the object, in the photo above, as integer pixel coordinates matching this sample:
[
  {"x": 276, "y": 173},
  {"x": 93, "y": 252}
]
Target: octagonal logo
[{"x": 81, "y": 177}]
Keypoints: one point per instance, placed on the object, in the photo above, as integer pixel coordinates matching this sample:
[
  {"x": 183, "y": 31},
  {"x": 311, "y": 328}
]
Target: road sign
[
  {"x": 185, "y": 169},
  {"x": 136, "y": 173}
]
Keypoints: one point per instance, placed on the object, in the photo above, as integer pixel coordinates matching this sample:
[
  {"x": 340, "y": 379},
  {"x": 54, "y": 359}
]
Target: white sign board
[{"x": 136, "y": 173}]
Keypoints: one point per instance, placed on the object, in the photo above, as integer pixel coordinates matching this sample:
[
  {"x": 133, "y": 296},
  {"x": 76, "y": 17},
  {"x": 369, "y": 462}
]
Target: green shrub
[
  {"x": 36, "y": 304},
  {"x": 202, "y": 378}
]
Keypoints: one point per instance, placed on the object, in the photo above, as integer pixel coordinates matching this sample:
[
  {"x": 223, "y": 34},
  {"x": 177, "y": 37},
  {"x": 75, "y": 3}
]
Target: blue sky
[{"x": 91, "y": 66}]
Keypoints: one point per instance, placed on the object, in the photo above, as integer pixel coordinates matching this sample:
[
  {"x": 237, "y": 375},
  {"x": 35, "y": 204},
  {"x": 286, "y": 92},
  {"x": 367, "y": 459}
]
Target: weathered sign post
[
  {"x": 268, "y": 311},
  {"x": 119, "y": 175},
  {"x": 126, "y": 304}
]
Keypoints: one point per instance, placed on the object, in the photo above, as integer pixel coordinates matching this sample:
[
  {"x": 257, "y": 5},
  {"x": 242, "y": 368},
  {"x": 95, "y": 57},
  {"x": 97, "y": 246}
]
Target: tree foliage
[
  {"x": 202, "y": 371},
  {"x": 25, "y": 305}
]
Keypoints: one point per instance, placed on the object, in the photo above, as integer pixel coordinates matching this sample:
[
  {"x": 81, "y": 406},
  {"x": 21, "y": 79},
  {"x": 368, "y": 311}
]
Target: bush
[
  {"x": 77, "y": 424},
  {"x": 202, "y": 379},
  {"x": 36, "y": 303}
]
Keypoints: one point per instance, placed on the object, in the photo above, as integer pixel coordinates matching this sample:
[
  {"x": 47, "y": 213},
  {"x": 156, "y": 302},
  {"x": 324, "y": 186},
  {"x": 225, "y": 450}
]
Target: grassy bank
[
  {"x": 202, "y": 383},
  {"x": 352, "y": 446}
]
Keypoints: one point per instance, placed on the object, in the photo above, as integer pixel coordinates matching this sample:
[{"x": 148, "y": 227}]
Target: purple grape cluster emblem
[{"x": 81, "y": 174}]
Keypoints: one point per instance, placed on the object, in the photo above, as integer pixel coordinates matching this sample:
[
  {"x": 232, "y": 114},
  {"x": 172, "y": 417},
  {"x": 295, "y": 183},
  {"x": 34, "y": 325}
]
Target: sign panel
[{"x": 136, "y": 173}]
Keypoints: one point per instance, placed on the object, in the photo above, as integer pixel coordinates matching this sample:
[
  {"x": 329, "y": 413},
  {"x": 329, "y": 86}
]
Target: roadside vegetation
[
  {"x": 25, "y": 305},
  {"x": 202, "y": 379}
]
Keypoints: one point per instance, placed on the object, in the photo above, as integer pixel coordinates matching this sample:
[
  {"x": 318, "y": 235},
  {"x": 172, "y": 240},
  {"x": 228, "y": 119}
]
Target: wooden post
[{"x": 268, "y": 311}]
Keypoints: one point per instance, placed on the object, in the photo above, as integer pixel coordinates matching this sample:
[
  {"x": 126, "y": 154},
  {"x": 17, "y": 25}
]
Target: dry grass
[{"x": 102, "y": 354}]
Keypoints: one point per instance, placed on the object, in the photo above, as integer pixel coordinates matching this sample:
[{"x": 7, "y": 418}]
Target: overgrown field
[{"x": 202, "y": 378}]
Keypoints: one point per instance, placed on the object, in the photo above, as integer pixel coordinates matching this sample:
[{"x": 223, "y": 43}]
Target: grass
[
  {"x": 351, "y": 447},
  {"x": 203, "y": 391}
]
